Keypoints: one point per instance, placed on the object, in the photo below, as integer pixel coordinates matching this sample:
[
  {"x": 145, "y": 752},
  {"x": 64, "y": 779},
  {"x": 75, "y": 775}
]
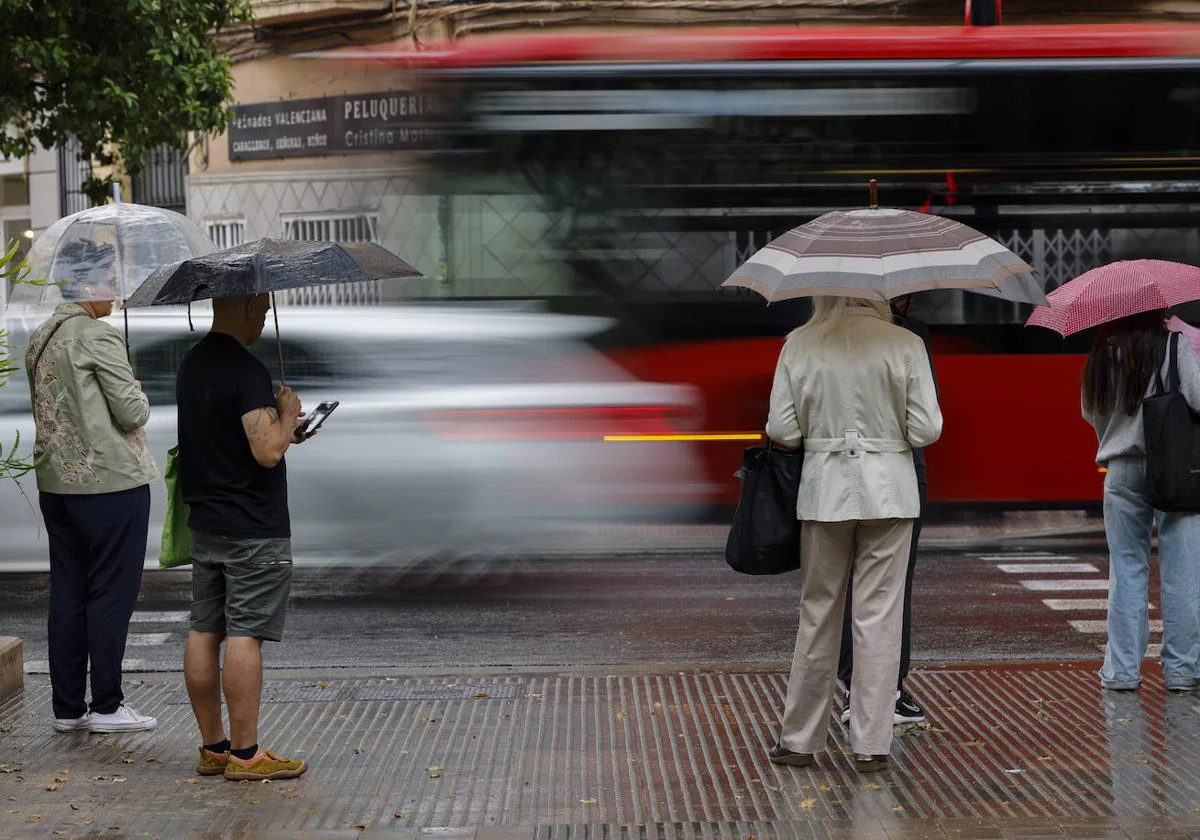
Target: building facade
[{"x": 326, "y": 148}]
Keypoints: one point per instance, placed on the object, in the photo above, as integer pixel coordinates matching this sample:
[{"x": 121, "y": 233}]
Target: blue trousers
[
  {"x": 1128, "y": 519},
  {"x": 97, "y": 550}
]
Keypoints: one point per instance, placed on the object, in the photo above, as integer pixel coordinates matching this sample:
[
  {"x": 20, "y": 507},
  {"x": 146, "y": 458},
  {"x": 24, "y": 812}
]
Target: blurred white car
[{"x": 460, "y": 430}]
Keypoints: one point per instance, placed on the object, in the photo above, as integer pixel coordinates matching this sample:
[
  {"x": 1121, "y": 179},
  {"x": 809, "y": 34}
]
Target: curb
[{"x": 12, "y": 670}]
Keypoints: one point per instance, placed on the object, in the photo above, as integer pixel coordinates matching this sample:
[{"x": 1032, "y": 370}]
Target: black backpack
[{"x": 1172, "y": 432}]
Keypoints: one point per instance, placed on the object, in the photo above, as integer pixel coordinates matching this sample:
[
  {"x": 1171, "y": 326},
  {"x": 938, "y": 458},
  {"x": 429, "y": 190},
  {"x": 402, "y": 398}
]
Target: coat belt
[{"x": 853, "y": 443}]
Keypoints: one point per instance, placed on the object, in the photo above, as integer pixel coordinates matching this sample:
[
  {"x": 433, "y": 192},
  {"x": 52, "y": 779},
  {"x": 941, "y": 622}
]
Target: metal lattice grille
[
  {"x": 73, "y": 170},
  {"x": 226, "y": 233},
  {"x": 1060, "y": 254},
  {"x": 333, "y": 227},
  {"x": 163, "y": 180}
]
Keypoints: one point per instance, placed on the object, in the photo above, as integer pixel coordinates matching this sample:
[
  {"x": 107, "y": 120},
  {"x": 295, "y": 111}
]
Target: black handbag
[
  {"x": 1172, "y": 432},
  {"x": 765, "y": 536}
]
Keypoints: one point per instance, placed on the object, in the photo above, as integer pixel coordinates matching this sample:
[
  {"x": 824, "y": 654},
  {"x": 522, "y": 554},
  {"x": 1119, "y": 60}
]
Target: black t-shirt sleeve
[{"x": 254, "y": 388}]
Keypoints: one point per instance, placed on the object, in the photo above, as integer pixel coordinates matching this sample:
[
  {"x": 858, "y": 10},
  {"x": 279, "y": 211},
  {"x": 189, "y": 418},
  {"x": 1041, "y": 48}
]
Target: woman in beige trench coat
[{"x": 858, "y": 393}]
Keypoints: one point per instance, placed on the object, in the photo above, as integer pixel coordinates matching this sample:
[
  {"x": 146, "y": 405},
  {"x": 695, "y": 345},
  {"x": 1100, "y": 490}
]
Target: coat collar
[
  {"x": 71, "y": 308},
  {"x": 866, "y": 312}
]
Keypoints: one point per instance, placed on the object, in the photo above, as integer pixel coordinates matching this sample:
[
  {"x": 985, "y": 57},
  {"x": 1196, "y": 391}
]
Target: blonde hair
[{"x": 829, "y": 309}]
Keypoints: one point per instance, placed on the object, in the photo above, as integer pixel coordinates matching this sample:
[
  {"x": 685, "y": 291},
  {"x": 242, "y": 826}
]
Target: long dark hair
[{"x": 1124, "y": 357}]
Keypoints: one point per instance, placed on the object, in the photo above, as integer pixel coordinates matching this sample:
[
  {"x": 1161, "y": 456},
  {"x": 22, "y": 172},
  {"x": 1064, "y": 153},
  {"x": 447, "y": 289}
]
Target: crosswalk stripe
[
  {"x": 1032, "y": 557},
  {"x": 1076, "y": 603},
  {"x": 1101, "y": 626},
  {"x": 1153, "y": 651},
  {"x": 1063, "y": 585},
  {"x": 1047, "y": 568},
  {"x": 146, "y": 639},
  {"x": 42, "y": 666},
  {"x": 150, "y": 617}
]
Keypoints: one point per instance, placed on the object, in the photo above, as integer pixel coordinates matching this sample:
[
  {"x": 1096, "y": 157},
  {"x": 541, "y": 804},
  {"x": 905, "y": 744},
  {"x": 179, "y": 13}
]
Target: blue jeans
[{"x": 1128, "y": 519}]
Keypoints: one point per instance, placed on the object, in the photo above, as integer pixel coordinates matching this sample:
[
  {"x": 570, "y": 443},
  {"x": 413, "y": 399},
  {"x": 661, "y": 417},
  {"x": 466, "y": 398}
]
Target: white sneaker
[
  {"x": 72, "y": 724},
  {"x": 124, "y": 719}
]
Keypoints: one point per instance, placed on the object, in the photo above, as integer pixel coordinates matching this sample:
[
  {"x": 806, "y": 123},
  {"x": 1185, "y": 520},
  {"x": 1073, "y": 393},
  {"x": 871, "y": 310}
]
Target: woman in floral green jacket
[{"x": 94, "y": 470}]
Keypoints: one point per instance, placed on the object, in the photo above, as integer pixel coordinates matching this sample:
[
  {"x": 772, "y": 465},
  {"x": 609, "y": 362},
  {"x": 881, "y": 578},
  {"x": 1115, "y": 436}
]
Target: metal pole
[{"x": 278, "y": 343}]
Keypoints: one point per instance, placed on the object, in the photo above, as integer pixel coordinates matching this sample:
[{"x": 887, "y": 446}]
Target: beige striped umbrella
[{"x": 889, "y": 253}]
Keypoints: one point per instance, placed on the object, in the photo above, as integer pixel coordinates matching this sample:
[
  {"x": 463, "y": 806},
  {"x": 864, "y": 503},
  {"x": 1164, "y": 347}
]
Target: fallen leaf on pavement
[
  {"x": 359, "y": 826},
  {"x": 824, "y": 788},
  {"x": 806, "y": 804},
  {"x": 620, "y": 714},
  {"x": 589, "y": 801},
  {"x": 74, "y": 807},
  {"x": 872, "y": 786},
  {"x": 433, "y": 772},
  {"x": 400, "y": 815},
  {"x": 51, "y": 787},
  {"x": 483, "y": 695}
]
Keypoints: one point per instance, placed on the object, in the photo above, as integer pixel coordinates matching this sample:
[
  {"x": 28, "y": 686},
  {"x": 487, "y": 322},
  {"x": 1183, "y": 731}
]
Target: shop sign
[{"x": 331, "y": 125}]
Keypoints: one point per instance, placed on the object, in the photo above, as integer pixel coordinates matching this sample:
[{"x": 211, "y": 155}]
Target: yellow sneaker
[
  {"x": 264, "y": 765},
  {"x": 211, "y": 763}
]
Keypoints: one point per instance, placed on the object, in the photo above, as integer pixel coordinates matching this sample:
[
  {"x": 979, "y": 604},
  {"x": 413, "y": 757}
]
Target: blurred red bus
[{"x": 656, "y": 161}]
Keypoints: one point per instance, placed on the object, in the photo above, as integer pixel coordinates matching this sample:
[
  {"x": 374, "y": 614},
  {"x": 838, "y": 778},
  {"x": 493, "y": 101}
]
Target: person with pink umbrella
[{"x": 1128, "y": 302}]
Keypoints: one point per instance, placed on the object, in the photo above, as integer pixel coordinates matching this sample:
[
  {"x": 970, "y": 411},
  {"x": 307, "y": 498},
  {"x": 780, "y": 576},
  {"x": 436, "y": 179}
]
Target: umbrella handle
[{"x": 125, "y": 312}]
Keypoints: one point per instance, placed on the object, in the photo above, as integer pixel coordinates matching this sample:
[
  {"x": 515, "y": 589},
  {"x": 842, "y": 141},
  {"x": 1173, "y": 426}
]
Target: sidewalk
[{"x": 628, "y": 754}]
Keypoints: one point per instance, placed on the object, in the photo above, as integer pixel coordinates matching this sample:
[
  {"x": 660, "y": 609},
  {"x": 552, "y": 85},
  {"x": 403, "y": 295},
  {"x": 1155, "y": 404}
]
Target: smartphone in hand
[{"x": 316, "y": 419}]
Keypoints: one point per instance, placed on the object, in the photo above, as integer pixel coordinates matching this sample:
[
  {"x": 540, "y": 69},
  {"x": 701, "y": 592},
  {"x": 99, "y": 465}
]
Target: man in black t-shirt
[{"x": 233, "y": 432}]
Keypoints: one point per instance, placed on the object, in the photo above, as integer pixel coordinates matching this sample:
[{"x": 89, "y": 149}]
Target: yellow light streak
[{"x": 697, "y": 437}]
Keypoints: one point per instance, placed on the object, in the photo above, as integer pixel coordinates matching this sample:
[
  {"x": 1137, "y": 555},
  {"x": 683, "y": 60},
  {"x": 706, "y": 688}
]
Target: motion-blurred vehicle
[
  {"x": 662, "y": 159},
  {"x": 460, "y": 430}
]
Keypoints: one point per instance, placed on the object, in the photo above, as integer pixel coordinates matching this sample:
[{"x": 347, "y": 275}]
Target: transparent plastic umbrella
[{"x": 105, "y": 253}]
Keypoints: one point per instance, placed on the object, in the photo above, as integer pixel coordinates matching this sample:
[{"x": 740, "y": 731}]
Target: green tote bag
[{"x": 176, "y": 536}]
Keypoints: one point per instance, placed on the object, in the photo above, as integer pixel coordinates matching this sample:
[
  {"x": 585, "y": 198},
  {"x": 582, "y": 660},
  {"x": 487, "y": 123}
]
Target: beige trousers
[{"x": 876, "y": 553}]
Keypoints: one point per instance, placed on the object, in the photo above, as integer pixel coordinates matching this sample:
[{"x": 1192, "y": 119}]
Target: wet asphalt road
[{"x": 972, "y": 604}]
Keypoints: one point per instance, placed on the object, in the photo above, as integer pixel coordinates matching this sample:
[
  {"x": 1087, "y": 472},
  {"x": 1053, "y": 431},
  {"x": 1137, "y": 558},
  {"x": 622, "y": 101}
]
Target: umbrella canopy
[
  {"x": 269, "y": 265},
  {"x": 1115, "y": 291},
  {"x": 105, "y": 253},
  {"x": 888, "y": 253}
]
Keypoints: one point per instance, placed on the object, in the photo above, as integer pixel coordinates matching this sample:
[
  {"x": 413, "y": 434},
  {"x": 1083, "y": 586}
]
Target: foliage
[
  {"x": 12, "y": 463},
  {"x": 125, "y": 75}
]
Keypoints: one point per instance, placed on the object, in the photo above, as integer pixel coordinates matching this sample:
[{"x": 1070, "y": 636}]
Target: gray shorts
[{"x": 240, "y": 586}]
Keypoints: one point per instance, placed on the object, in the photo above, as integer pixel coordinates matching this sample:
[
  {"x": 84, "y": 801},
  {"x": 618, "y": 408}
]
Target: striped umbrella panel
[{"x": 885, "y": 252}]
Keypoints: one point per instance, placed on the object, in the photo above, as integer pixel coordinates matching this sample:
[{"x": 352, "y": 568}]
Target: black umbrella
[{"x": 268, "y": 266}]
